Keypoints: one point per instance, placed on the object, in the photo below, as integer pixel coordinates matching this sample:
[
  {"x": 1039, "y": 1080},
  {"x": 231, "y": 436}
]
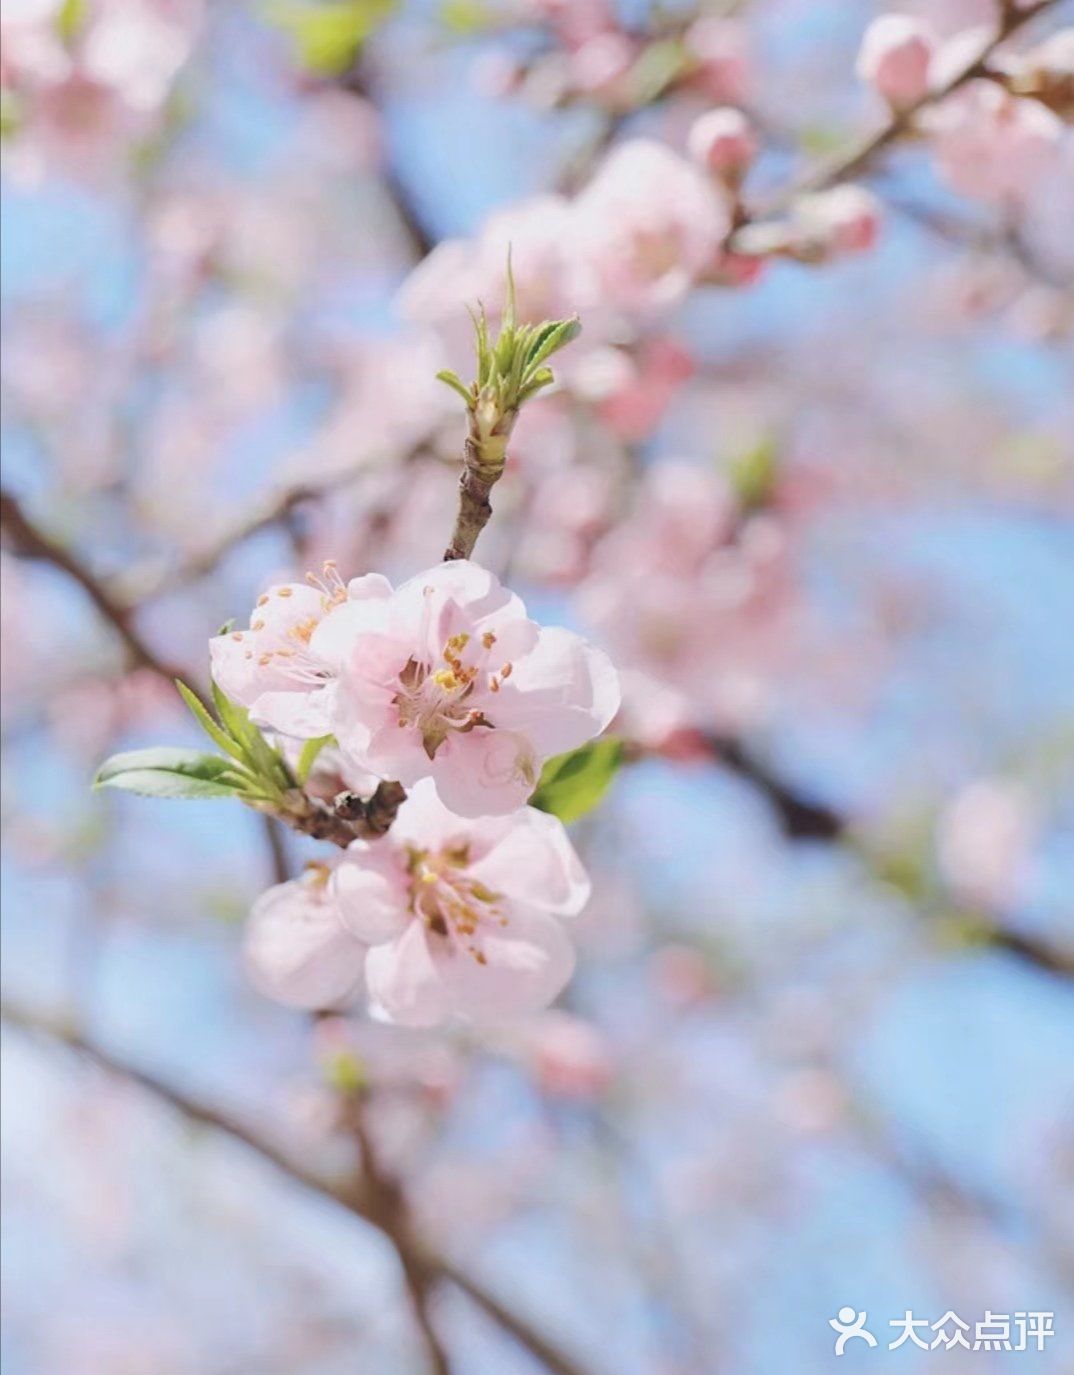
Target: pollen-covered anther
[
  {"x": 316, "y": 874},
  {"x": 329, "y": 584}
]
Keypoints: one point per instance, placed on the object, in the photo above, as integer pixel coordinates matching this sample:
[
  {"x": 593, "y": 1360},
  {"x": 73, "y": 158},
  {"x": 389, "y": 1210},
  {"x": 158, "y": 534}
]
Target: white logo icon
[{"x": 850, "y": 1324}]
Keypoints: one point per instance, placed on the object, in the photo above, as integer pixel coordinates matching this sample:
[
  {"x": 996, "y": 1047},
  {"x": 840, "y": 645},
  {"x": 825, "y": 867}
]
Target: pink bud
[
  {"x": 737, "y": 269},
  {"x": 599, "y": 65},
  {"x": 845, "y": 219},
  {"x": 719, "y": 49},
  {"x": 894, "y": 58},
  {"x": 723, "y": 141}
]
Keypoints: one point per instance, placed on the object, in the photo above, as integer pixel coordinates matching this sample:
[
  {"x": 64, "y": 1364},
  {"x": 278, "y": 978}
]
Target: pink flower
[
  {"x": 992, "y": 145},
  {"x": 894, "y": 58},
  {"x": 296, "y": 948},
  {"x": 461, "y": 917},
  {"x": 723, "y": 142},
  {"x": 272, "y": 668},
  {"x": 447, "y": 677},
  {"x": 648, "y": 224},
  {"x": 635, "y": 409}
]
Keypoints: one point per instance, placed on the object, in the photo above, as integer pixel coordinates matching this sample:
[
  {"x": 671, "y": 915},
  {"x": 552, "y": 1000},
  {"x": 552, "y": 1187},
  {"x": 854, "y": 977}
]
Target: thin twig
[{"x": 354, "y": 1194}]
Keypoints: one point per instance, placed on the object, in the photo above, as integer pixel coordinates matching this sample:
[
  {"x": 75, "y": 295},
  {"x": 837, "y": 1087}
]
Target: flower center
[
  {"x": 437, "y": 699},
  {"x": 450, "y": 902}
]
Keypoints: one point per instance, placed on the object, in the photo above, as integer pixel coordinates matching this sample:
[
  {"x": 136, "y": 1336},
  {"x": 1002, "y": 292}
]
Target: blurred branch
[
  {"x": 387, "y": 1195},
  {"x": 862, "y": 154},
  {"x": 804, "y": 818},
  {"x": 955, "y": 229},
  {"x": 361, "y": 81},
  {"x": 800, "y": 817},
  {"x": 279, "y": 864},
  {"x": 27, "y": 541},
  {"x": 142, "y": 586},
  {"x": 372, "y": 1196}
]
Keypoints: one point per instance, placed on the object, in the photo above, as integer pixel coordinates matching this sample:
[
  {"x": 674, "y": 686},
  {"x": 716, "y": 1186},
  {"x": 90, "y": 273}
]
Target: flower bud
[
  {"x": 600, "y": 66},
  {"x": 718, "y": 48},
  {"x": 894, "y": 58},
  {"x": 723, "y": 141},
  {"x": 845, "y": 219}
]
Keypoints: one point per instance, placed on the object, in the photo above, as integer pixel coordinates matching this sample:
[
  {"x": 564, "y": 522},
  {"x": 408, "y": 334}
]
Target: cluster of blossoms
[
  {"x": 445, "y": 686},
  {"x": 590, "y": 55},
  {"x": 83, "y": 84},
  {"x": 995, "y": 137},
  {"x": 650, "y": 225},
  {"x": 696, "y": 596}
]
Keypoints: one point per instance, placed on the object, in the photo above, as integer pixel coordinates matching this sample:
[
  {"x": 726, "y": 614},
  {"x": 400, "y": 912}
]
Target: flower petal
[
  {"x": 297, "y": 950},
  {"x": 536, "y": 864},
  {"x": 562, "y": 694},
  {"x": 404, "y": 984},
  {"x": 369, "y": 888},
  {"x": 526, "y": 965}
]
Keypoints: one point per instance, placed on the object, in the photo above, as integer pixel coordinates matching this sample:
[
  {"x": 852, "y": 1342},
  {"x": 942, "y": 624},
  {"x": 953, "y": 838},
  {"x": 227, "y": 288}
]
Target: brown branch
[
  {"x": 29, "y": 542},
  {"x": 279, "y": 864},
  {"x": 348, "y": 818},
  {"x": 862, "y": 154},
  {"x": 475, "y": 488},
  {"x": 363, "y": 1196},
  {"x": 387, "y": 1196},
  {"x": 805, "y": 818}
]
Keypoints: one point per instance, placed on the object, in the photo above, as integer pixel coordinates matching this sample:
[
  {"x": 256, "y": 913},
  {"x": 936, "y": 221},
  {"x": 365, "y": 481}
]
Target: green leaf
[
  {"x": 658, "y": 66},
  {"x": 310, "y": 750},
  {"x": 455, "y": 382},
  {"x": 266, "y": 762},
  {"x": 209, "y": 726},
  {"x": 327, "y": 36},
  {"x": 168, "y": 772},
  {"x": 550, "y": 338},
  {"x": 543, "y": 377},
  {"x": 573, "y": 784}
]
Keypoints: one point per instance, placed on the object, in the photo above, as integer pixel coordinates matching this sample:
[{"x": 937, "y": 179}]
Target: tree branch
[
  {"x": 28, "y": 542},
  {"x": 862, "y": 154},
  {"x": 363, "y": 1196}
]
